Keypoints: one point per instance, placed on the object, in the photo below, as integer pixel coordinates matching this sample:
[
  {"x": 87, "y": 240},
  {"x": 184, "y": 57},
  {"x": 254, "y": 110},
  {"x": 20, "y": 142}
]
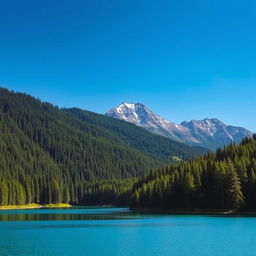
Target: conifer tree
[{"x": 235, "y": 195}]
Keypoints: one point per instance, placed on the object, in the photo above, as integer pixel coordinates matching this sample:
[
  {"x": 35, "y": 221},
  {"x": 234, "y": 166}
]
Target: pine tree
[{"x": 234, "y": 192}]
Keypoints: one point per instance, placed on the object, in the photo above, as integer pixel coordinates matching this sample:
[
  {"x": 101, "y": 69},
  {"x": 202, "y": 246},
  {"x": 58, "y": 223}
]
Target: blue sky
[{"x": 184, "y": 59}]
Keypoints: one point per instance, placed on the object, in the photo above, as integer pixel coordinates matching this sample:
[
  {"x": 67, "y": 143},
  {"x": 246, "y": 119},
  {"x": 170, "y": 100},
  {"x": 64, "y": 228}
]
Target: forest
[
  {"x": 222, "y": 180},
  {"x": 52, "y": 155}
]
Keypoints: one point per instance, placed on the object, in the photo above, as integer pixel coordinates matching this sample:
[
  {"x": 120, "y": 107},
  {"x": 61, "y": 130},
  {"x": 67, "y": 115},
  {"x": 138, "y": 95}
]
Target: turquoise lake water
[{"x": 119, "y": 232}]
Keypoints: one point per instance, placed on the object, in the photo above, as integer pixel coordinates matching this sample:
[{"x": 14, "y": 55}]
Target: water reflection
[
  {"x": 66, "y": 214},
  {"x": 112, "y": 225}
]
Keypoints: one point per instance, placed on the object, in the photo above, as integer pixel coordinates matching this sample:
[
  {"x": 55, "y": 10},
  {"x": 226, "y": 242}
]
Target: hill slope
[
  {"x": 51, "y": 155},
  {"x": 156, "y": 147},
  {"x": 222, "y": 180}
]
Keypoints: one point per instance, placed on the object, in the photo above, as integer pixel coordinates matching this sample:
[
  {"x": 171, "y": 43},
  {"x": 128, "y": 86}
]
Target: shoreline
[
  {"x": 212, "y": 212},
  {"x": 33, "y": 206},
  {"x": 221, "y": 212}
]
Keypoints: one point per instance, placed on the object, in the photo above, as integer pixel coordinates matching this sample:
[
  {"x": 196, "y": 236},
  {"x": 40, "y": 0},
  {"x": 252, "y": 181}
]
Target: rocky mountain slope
[{"x": 210, "y": 133}]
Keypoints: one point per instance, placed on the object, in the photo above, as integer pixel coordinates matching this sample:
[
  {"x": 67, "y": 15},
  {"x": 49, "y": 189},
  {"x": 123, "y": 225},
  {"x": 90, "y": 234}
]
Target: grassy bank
[
  {"x": 62, "y": 205},
  {"x": 33, "y": 206}
]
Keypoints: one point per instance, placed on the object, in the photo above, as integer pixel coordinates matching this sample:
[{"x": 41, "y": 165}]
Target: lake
[{"x": 93, "y": 231}]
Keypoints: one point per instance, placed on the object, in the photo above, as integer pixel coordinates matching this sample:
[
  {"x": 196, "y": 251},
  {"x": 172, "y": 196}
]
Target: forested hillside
[
  {"x": 50, "y": 155},
  {"x": 118, "y": 131},
  {"x": 222, "y": 180}
]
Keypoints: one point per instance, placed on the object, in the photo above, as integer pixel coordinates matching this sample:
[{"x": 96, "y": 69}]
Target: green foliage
[
  {"x": 235, "y": 195},
  {"x": 49, "y": 155},
  {"x": 156, "y": 147},
  {"x": 222, "y": 180}
]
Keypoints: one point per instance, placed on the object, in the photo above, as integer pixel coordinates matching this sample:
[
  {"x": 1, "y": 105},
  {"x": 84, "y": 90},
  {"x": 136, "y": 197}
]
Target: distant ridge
[{"x": 210, "y": 132}]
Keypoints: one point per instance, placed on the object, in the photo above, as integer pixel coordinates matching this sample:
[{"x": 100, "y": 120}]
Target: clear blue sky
[{"x": 184, "y": 59}]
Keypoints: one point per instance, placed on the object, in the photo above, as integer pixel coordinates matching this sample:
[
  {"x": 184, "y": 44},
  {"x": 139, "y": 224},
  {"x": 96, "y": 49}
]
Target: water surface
[{"x": 119, "y": 232}]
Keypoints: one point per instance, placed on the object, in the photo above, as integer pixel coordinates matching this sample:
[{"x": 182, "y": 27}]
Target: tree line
[{"x": 222, "y": 180}]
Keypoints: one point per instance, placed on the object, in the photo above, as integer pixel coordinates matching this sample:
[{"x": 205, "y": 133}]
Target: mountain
[
  {"x": 209, "y": 133},
  {"x": 213, "y": 133},
  {"x": 140, "y": 115},
  {"x": 51, "y": 155}
]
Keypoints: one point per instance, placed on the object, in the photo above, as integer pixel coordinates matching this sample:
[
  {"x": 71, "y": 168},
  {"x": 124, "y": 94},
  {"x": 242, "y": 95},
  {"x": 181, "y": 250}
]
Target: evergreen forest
[
  {"x": 222, "y": 180},
  {"x": 52, "y": 155}
]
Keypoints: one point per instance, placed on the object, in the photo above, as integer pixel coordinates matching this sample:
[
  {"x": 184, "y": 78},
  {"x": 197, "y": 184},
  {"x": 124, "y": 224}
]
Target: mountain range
[{"x": 210, "y": 133}]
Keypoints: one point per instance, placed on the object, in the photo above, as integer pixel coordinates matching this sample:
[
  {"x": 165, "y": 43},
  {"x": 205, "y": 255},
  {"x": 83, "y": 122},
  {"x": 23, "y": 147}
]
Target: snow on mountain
[
  {"x": 213, "y": 133},
  {"x": 210, "y": 133},
  {"x": 140, "y": 115}
]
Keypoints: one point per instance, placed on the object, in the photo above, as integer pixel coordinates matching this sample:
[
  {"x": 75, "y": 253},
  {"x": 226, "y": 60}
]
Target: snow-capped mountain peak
[
  {"x": 140, "y": 115},
  {"x": 130, "y": 112},
  {"x": 209, "y": 132},
  {"x": 136, "y": 113},
  {"x": 209, "y": 126}
]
